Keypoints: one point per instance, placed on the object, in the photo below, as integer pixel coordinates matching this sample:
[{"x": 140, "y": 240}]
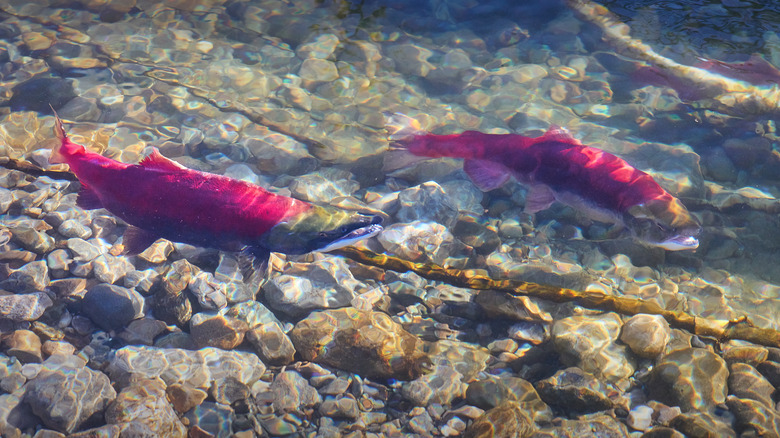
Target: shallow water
[{"x": 292, "y": 96}]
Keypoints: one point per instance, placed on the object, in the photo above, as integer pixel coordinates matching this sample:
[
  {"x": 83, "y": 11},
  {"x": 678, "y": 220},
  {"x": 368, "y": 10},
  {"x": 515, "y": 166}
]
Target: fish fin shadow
[
  {"x": 136, "y": 240},
  {"x": 88, "y": 198}
]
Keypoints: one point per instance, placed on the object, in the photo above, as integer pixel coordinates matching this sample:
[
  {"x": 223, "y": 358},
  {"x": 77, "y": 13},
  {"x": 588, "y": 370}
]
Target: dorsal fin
[
  {"x": 157, "y": 161},
  {"x": 556, "y": 133}
]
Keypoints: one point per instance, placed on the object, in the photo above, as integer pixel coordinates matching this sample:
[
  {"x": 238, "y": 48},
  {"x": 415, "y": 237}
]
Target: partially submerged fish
[
  {"x": 557, "y": 167},
  {"x": 161, "y": 198}
]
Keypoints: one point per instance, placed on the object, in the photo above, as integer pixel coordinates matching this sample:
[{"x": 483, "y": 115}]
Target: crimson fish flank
[
  {"x": 159, "y": 197},
  {"x": 557, "y": 167}
]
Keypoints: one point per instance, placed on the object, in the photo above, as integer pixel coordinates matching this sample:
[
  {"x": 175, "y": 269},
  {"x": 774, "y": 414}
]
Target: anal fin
[
  {"x": 88, "y": 199},
  {"x": 487, "y": 175},
  {"x": 136, "y": 240}
]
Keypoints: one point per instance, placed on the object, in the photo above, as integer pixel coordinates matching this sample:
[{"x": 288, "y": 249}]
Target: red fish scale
[{"x": 554, "y": 159}]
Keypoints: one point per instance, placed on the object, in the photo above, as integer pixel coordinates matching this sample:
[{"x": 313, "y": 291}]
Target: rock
[
  {"x": 366, "y": 343},
  {"x": 588, "y": 342},
  {"x": 698, "y": 424},
  {"x": 692, "y": 378},
  {"x": 32, "y": 277},
  {"x": 501, "y": 305},
  {"x": 111, "y": 307},
  {"x": 144, "y": 403},
  {"x": 174, "y": 365},
  {"x": 272, "y": 344},
  {"x": 422, "y": 242},
  {"x": 471, "y": 231},
  {"x": 421, "y": 423},
  {"x": 143, "y": 331},
  {"x": 38, "y": 93},
  {"x": 211, "y": 294},
  {"x": 32, "y": 239},
  {"x": 321, "y": 47},
  {"x": 427, "y": 202},
  {"x": 746, "y": 382},
  {"x": 640, "y": 417},
  {"x": 491, "y": 392},
  {"x": 575, "y": 392},
  {"x": 108, "y": 269},
  {"x": 344, "y": 406},
  {"x": 66, "y": 393},
  {"x": 24, "y": 307},
  {"x": 322, "y": 187},
  {"x": 210, "y": 419},
  {"x": 292, "y": 393},
  {"x": 441, "y": 386},
  {"x": 754, "y": 418},
  {"x": 325, "y": 284},
  {"x": 320, "y": 70},
  {"x": 646, "y": 335},
  {"x": 411, "y": 59},
  {"x": 596, "y": 425},
  {"x": 83, "y": 250},
  {"x": 25, "y": 346},
  {"x": 217, "y": 330},
  {"x": 184, "y": 396},
  {"x": 228, "y": 390},
  {"x": 507, "y": 420},
  {"x": 73, "y": 228},
  {"x": 50, "y": 348}
]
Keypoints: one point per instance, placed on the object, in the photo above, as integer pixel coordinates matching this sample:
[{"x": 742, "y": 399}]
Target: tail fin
[
  {"x": 401, "y": 127},
  {"x": 56, "y": 154}
]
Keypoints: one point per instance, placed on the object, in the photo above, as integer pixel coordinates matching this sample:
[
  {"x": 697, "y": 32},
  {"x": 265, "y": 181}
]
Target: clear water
[{"x": 292, "y": 95}]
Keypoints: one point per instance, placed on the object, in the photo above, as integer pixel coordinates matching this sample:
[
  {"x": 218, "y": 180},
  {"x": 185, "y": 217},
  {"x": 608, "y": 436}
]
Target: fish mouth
[
  {"x": 679, "y": 243},
  {"x": 353, "y": 236}
]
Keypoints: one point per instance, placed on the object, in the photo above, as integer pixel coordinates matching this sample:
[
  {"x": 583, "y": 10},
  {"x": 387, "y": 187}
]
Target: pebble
[
  {"x": 50, "y": 348},
  {"x": 272, "y": 344},
  {"x": 367, "y": 343},
  {"x": 210, "y": 419},
  {"x": 640, "y": 417},
  {"x": 508, "y": 419},
  {"x": 65, "y": 393},
  {"x": 646, "y": 335},
  {"x": 143, "y": 331},
  {"x": 184, "y": 397},
  {"x": 71, "y": 228},
  {"x": 427, "y": 202},
  {"x": 691, "y": 378},
  {"x": 228, "y": 390},
  {"x": 575, "y": 392},
  {"x": 442, "y": 385},
  {"x": 501, "y": 305},
  {"x": 599, "y": 425},
  {"x": 341, "y": 406},
  {"x": 291, "y": 392},
  {"x": 25, "y": 346},
  {"x": 144, "y": 405},
  {"x": 754, "y": 417},
  {"x": 217, "y": 330},
  {"x": 24, "y": 307},
  {"x": 111, "y": 307},
  {"x": 320, "y": 70}
]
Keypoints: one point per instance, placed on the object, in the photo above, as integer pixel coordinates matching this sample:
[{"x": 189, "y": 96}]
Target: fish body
[
  {"x": 161, "y": 198},
  {"x": 557, "y": 167}
]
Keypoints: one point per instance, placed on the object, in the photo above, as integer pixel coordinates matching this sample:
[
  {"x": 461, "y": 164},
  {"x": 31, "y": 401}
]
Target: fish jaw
[
  {"x": 663, "y": 222},
  {"x": 320, "y": 228}
]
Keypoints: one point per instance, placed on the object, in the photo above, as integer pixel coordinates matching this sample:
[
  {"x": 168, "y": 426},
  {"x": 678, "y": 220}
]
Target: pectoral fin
[
  {"x": 136, "y": 240},
  {"x": 487, "y": 175},
  {"x": 539, "y": 198}
]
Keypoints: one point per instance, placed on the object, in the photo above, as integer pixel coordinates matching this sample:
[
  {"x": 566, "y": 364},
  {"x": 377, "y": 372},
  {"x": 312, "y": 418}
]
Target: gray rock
[
  {"x": 108, "y": 269},
  {"x": 209, "y": 292},
  {"x": 175, "y": 365},
  {"x": 32, "y": 277},
  {"x": 575, "y": 392},
  {"x": 594, "y": 425},
  {"x": 441, "y": 386},
  {"x": 272, "y": 344},
  {"x": 508, "y": 419},
  {"x": 325, "y": 284},
  {"x": 142, "y": 331},
  {"x": 343, "y": 406},
  {"x": 428, "y": 203},
  {"x": 32, "y": 239},
  {"x": 65, "y": 393},
  {"x": 83, "y": 250},
  {"x": 73, "y": 228},
  {"x": 112, "y": 307},
  {"x": 229, "y": 390},
  {"x": 292, "y": 393},
  {"x": 24, "y": 307},
  {"x": 144, "y": 402},
  {"x": 691, "y": 378},
  {"x": 213, "y": 418},
  {"x": 422, "y": 242}
]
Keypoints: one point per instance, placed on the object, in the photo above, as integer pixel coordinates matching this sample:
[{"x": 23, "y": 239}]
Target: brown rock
[
  {"x": 25, "y": 346},
  {"x": 184, "y": 397},
  {"x": 209, "y": 330},
  {"x": 272, "y": 344},
  {"x": 507, "y": 420}
]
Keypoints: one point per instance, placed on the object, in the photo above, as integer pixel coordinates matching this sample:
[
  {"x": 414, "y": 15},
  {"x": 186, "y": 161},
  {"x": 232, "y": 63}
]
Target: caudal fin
[
  {"x": 56, "y": 153},
  {"x": 401, "y": 127}
]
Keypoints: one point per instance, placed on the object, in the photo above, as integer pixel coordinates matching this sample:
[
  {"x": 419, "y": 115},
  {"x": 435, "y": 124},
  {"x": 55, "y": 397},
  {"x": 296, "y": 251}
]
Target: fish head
[
  {"x": 320, "y": 228},
  {"x": 665, "y": 223}
]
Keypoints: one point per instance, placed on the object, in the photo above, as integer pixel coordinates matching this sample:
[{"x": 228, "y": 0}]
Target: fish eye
[{"x": 344, "y": 229}]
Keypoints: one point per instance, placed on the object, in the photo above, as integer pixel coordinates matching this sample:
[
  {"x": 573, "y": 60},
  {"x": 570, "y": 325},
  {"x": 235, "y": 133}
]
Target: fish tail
[
  {"x": 58, "y": 154},
  {"x": 401, "y": 127}
]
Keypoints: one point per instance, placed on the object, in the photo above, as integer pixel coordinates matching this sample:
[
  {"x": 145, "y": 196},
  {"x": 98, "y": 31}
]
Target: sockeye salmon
[
  {"x": 159, "y": 197},
  {"x": 557, "y": 167}
]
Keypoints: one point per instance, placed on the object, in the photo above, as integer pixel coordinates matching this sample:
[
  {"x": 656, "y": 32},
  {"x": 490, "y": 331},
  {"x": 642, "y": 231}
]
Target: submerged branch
[{"x": 721, "y": 330}]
